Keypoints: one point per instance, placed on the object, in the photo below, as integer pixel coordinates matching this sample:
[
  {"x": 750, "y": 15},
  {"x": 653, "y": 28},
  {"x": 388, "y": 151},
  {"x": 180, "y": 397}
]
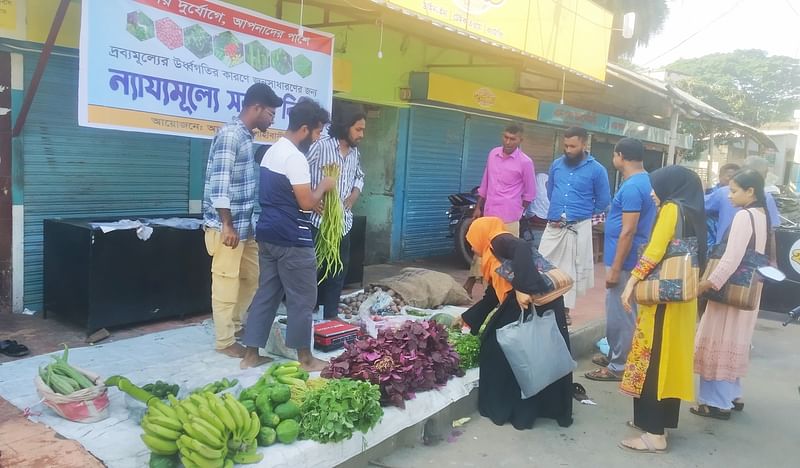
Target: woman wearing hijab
[
  {"x": 659, "y": 373},
  {"x": 499, "y": 395}
]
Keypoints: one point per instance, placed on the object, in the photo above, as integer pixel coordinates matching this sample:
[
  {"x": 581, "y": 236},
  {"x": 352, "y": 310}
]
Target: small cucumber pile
[{"x": 63, "y": 378}]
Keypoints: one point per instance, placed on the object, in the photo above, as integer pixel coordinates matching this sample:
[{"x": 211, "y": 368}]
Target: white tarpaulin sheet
[{"x": 186, "y": 356}]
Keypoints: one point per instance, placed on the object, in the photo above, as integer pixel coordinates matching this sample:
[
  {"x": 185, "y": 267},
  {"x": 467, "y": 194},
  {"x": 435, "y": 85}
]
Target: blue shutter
[
  {"x": 483, "y": 134},
  {"x": 433, "y": 171},
  {"x": 72, "y": 171}
]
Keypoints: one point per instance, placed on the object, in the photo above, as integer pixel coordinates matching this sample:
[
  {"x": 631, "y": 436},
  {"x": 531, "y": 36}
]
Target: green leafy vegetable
[
  {"x": 467, "y": 346},
  {"x": 343, "y": 406}
]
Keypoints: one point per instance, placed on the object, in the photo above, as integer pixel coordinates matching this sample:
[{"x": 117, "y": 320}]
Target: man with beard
[
  {"x": 507, "y": 189},
  {"x": 578, "y": 189},
  {"x": 228, "y": 201},
  {"x": 286, "y": 246},
  {"x": 339, "y": 148}
]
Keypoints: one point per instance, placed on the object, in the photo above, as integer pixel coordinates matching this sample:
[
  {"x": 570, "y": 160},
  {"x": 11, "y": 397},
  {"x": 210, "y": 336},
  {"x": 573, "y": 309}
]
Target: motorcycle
[
  {"x": 462, "y": 208},
  {"x": 772, "y": 274},
  {"x": 460, "y": 215}
]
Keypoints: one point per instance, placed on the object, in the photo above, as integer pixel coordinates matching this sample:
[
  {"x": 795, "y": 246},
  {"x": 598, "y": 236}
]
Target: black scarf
[{"x": 680, "y": 185}]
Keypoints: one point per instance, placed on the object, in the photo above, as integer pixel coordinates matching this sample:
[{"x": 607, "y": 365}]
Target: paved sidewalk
[{"x": 764, "y": 434}]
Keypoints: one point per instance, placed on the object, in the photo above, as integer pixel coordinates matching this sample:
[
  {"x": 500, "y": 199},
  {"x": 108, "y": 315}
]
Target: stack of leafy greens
[
  {"x": 412, "y": 358},
  {"x": 333, "y": 412},
  {"x": 467, "y": 346}
]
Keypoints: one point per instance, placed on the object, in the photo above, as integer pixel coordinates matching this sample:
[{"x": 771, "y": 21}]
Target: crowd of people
[{"x": 654, "y": 349}]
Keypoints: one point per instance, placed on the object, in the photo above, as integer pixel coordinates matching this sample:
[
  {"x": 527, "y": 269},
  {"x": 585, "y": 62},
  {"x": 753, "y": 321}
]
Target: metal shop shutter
[
  {"x": 433, "y": 171},
  {"x": 482, "y": 135},
  {"x": 540, "y": 144},
  {"x": 72, "y": 171}
]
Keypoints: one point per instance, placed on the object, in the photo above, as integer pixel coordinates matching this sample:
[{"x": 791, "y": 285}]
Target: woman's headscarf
[
  {"x": 683, "y": 187},
  {"x": 480, "y": 235}
]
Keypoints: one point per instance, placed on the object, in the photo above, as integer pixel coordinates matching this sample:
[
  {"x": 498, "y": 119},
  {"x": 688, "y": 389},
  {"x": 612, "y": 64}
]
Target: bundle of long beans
[{"x": 330, "y": 230}]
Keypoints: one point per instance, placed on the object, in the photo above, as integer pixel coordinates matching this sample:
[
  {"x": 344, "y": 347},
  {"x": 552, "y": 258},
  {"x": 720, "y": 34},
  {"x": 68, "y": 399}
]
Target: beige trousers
[{"x": 234, "y": 280}]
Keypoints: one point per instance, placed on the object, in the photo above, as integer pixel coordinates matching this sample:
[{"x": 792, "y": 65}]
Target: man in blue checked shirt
[
  {"x": 228, "y": 201},
  {"x": 339, "y": 148},
  {"x": 578, "y": 189}
]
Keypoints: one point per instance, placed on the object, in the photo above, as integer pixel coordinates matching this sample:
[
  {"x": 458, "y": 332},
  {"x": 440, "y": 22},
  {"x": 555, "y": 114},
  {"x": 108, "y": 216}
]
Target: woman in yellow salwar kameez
[{"x": 659, "y": 370}]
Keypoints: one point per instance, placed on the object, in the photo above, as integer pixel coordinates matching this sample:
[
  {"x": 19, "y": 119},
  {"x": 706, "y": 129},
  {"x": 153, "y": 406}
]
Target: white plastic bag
[
  {"x": 276, "y": 343},
  {"x": 378, "y": 303}
]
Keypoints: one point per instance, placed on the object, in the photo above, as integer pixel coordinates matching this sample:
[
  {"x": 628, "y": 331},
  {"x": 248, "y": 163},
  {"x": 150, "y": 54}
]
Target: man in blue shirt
[
  {"x": 717, "y": 203},
  {"x": 630, "y": 220},
  {"x": 285, "y": 243},
  {"x": 726, "y": 173},
  {"x": 229, "y": 199},
  {"x": 577, "y": 189}
]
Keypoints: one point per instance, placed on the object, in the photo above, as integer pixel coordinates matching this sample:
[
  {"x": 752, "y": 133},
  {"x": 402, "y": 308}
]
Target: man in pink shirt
[{"x": 507, "y": 188}]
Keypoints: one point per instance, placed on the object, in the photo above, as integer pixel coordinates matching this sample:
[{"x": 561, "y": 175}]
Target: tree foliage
[
  {"x": 750, "y": 85},
  {"x": 650, "y": 18}
]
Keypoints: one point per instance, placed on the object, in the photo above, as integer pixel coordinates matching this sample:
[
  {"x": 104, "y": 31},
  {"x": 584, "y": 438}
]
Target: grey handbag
[{"x": 536, "y": 351}]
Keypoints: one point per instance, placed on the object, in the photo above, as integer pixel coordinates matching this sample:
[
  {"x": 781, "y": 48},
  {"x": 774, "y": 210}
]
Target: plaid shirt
[
  {"x": 231, "y": 179},
  {"x": 326, "y": 152}
]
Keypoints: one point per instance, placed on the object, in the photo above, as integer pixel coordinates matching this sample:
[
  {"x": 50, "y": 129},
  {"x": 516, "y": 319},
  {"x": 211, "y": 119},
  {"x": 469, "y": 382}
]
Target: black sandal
[
  {"x": 738, "y": 406},
  {"x": 711, "y": 412},
  {"x": 13, "y": 349},
  {"x": 579, "y": 392}
]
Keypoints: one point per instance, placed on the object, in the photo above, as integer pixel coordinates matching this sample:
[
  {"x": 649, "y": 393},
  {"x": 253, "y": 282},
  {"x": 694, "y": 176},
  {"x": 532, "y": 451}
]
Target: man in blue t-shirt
[
  {"x": 288, "y": 264},
  {"x": 630, "y": 220}
]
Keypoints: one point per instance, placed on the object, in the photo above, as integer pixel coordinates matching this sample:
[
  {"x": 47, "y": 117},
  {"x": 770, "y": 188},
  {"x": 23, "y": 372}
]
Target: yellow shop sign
[
  {"x": 571, "y": 33},
  {"x": 441, "y": 88}
]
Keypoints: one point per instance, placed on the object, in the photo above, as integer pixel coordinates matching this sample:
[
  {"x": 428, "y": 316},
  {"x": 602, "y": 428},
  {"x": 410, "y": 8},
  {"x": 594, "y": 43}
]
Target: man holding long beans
[{"x": 332, "y": 224}]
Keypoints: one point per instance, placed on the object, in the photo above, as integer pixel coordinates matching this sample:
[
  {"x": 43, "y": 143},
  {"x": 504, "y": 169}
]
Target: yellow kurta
[{"x": 675, "y": 367}]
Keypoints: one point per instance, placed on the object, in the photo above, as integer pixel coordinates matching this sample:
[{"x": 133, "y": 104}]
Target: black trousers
[
  {"x": 329, "y": 291},
  {"x": 650, "y": 413}
]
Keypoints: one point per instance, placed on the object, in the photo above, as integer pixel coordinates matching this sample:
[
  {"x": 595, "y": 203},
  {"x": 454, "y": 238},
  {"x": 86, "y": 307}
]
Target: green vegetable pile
[
  {"x": 271, "y": 399},
  {"x": 161, "y": 389},
  {"x": 63, "y": 378},
  {"x": 343, "y": 406},
  {"x": 216, "y": 387},
  {"x": 467, "y": 346},
  {"x": 330, "y": 230}
]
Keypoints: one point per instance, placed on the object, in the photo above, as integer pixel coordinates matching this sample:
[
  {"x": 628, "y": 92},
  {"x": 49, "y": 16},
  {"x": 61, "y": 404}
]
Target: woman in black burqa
[{"x": 499, "y": 397}]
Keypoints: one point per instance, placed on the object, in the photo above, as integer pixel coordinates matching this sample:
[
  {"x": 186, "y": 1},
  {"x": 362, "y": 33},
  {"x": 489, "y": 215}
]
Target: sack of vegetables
[{"x": 73, "y": 393}]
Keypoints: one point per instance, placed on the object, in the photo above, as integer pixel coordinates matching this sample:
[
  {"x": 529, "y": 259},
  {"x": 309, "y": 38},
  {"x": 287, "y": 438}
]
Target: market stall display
[
  {"x": 414, "y": 357},
  {"x": 116, "y": 440}
]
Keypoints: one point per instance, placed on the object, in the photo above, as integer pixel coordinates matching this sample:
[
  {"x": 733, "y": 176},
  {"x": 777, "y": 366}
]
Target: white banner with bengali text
[{"x": 181, "y": 67}]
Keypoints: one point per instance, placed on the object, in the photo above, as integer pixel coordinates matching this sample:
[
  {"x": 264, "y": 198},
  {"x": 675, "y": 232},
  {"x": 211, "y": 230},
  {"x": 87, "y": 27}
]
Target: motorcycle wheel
[{"x": 463, "y": 250}]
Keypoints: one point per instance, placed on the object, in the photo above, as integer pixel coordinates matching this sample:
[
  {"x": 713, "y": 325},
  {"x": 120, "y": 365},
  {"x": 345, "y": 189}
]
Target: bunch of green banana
[
  {"x": 203, "y": 429},
  {"x": 162, "y": 428},
  {"x": 215, "y": 428}
]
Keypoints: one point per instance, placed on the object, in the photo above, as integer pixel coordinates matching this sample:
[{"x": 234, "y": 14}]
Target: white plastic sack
[
  {"x": 536, "y": 351},
  {"x": 378, "y": 303},
  {"x": 276, "y": 342}
]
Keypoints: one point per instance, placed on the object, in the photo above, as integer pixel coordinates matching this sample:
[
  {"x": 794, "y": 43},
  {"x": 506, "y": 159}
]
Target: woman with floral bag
[
  {"x": 658, "y": 373},
  {"x": 722, "y": 346}
]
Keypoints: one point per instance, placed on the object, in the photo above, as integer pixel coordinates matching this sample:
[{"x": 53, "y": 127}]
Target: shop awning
[{"x": 689, "y": 105}]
